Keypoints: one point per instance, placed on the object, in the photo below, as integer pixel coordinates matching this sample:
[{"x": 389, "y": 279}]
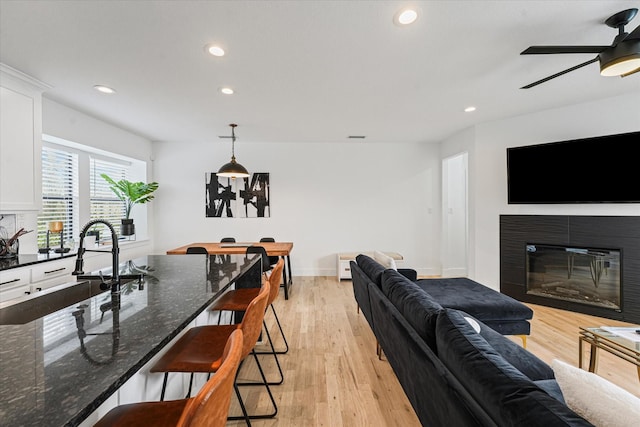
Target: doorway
[{"x": 455, "y": 216}]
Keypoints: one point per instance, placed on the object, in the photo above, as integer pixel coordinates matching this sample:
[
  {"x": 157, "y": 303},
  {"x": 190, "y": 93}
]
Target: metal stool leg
[
  {"x": 266, "y": 384},
  {"x": 275, "y": 356}
]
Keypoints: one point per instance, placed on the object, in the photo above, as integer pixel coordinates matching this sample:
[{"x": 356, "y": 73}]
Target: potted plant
[{"x": 131, "y": 193}]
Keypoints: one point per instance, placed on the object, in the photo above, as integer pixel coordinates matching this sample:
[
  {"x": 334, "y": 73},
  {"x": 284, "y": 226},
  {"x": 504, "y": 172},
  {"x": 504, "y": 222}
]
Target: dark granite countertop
[
  {"x": 23, "y": 260},
  {"x": 47, "y": 378}
]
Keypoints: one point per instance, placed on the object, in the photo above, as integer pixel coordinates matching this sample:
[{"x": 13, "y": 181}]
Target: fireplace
[
  {"x": 580, "y": 275},
  {"x": 586, "y": 264}
]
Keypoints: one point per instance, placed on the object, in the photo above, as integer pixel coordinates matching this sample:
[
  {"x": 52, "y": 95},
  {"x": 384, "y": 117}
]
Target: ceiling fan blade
[
  {"x": 591, "y": 61},
  {"x": 635, "y": 34},
  {"x": 545, "y": 50}
]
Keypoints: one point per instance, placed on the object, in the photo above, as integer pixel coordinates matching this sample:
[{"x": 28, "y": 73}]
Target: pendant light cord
[{"x": 233, "y": 141}]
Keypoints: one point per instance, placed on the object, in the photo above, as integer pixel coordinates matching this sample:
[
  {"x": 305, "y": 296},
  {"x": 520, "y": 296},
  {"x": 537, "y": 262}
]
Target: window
[
  {"x": 104, "y": 203},
  {"x": 59, "y": 195},
  {"x": 74, "y": 192}
]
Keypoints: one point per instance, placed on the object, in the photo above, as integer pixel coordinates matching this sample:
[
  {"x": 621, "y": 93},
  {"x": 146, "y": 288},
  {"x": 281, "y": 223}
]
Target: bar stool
[
  {"x": 200, "y": 350},
  {"x": 239, "y": 299},
  {"x": 265, "y": 267},
  {"x": 210, "y": 407},
  {"x": 228, "y": 240}
]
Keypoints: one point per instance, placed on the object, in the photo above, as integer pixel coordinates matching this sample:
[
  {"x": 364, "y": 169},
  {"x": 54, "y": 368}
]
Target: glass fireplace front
[{"x": 583, "y": 275}]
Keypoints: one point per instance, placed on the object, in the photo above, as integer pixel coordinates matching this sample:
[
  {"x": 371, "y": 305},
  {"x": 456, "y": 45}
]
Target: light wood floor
[{"x": 333, "y": 377}]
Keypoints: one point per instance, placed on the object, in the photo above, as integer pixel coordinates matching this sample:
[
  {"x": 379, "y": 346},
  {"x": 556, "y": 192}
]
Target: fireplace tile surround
[{"x": 614, "y": 232}]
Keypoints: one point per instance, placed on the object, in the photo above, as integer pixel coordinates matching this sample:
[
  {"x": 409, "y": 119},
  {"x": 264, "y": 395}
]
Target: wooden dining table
[{"x": 282, "y": 249}]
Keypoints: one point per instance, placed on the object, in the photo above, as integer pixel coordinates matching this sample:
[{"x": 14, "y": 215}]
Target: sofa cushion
[
  {"x": 596, "y": 399},
  {"x": 524, "y": 361},
  {"x": 478, "y": 300},
  {"x": 509, "y": 397},
  {"x": 371, "y": 268},
  {"x": 418, "y": 307}
]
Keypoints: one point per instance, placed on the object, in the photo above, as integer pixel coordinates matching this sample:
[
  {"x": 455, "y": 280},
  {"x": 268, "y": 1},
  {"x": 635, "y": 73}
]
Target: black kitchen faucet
[{"x": 114, "y": 283}]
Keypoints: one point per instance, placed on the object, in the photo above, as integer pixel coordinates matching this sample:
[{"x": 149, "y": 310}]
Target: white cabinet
[
  {"x": 52, "y": 273},
  {"x": 17, "y": 282},
  {"x": 344, "y": 265},
  {"x": 14, "y": 283},
  {"x": 20, "y": 140}
]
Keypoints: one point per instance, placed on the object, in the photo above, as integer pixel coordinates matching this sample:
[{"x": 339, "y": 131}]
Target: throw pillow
[
  {"x": 597, "y": 400},
  {"x": 474, "y": 323},
  {"x": 385, "y": 260}
]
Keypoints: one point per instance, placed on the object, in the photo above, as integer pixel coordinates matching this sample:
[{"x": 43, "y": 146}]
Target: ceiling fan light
[
  {"x": 621, "y": 59},
  {"x": 620, "y": 67}
]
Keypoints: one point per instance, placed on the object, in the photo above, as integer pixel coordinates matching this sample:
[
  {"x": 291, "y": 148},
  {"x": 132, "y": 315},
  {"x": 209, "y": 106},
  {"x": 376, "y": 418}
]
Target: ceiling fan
[{"x": 621, "y": 58}]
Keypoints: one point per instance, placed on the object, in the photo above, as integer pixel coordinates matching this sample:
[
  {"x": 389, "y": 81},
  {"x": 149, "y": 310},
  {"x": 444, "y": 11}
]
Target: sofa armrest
[{"x": 409, "y": 273}]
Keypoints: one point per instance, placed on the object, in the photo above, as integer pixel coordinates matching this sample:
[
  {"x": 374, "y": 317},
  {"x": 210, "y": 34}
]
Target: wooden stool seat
[
  {"x": 157, "y": 414},
  {"x": 236, "y": 299},
  {"x": 198, "y": 350}
]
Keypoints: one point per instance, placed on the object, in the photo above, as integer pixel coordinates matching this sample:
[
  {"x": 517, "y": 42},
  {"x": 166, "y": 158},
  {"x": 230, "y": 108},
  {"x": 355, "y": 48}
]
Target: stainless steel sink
[{"x": 31, "y": 307}]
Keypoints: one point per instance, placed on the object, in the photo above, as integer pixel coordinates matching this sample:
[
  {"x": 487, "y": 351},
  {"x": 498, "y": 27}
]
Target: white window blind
[
  {"x": 104, "y": 203},
  {"x": 59, "y": 195},
  {"x": 74, "y": 192}
]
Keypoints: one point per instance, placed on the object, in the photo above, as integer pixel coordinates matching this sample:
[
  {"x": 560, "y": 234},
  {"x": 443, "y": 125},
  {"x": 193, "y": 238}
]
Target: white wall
[
  {"x": 330, "y": 198},
  {"x": 488, "y": 174},
  {"x": 464, "y": 142},
  {"x": 454, "y": 216},
  {"x": 66, "y": 123},
  {"x": 63, "y": 122},
  {"x": 325, "y": 198}
]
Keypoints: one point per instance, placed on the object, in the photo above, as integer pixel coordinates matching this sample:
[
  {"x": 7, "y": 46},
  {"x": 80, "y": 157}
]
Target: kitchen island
[{"x": 60, "y": 368}]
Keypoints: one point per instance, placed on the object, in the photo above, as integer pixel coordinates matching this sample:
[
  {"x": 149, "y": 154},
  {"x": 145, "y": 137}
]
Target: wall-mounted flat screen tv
[{"x": 603, "y": 169}]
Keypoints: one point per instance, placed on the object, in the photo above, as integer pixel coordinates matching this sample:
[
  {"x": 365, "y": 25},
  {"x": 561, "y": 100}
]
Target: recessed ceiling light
[
  {"x": 469, "y": 109},
  {"x": 104, "y": 89},
  {"x": 406, "y": 16},
  {"x": 227, "y": 91},
  {"x": 214, "y": 50}
]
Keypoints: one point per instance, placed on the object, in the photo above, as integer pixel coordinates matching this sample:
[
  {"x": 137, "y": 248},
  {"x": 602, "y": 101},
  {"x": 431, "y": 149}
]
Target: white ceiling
[{"x": 307, "y": 70}]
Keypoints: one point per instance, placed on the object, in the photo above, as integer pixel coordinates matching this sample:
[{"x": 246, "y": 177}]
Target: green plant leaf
[{"x": 131, "y": 192}]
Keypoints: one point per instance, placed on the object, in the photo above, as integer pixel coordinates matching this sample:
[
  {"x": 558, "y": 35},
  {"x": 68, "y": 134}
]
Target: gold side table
[{"x": 599, "y": 338}]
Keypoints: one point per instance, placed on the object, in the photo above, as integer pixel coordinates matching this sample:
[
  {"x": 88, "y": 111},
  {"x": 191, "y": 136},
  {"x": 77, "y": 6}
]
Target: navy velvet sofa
[
  {"x": 453, "y": 374},
  {"x": 496, "y": 310}
]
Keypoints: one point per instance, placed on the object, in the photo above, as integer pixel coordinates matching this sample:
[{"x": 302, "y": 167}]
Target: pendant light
[{"x": 233, "y": 169}]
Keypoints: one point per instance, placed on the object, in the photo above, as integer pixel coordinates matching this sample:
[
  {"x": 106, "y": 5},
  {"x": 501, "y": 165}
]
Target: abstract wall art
[{"x": 237, "y": 198}]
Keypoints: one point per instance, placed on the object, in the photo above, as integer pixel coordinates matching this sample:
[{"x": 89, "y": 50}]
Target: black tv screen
[{"x": 603, "y": 169}]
